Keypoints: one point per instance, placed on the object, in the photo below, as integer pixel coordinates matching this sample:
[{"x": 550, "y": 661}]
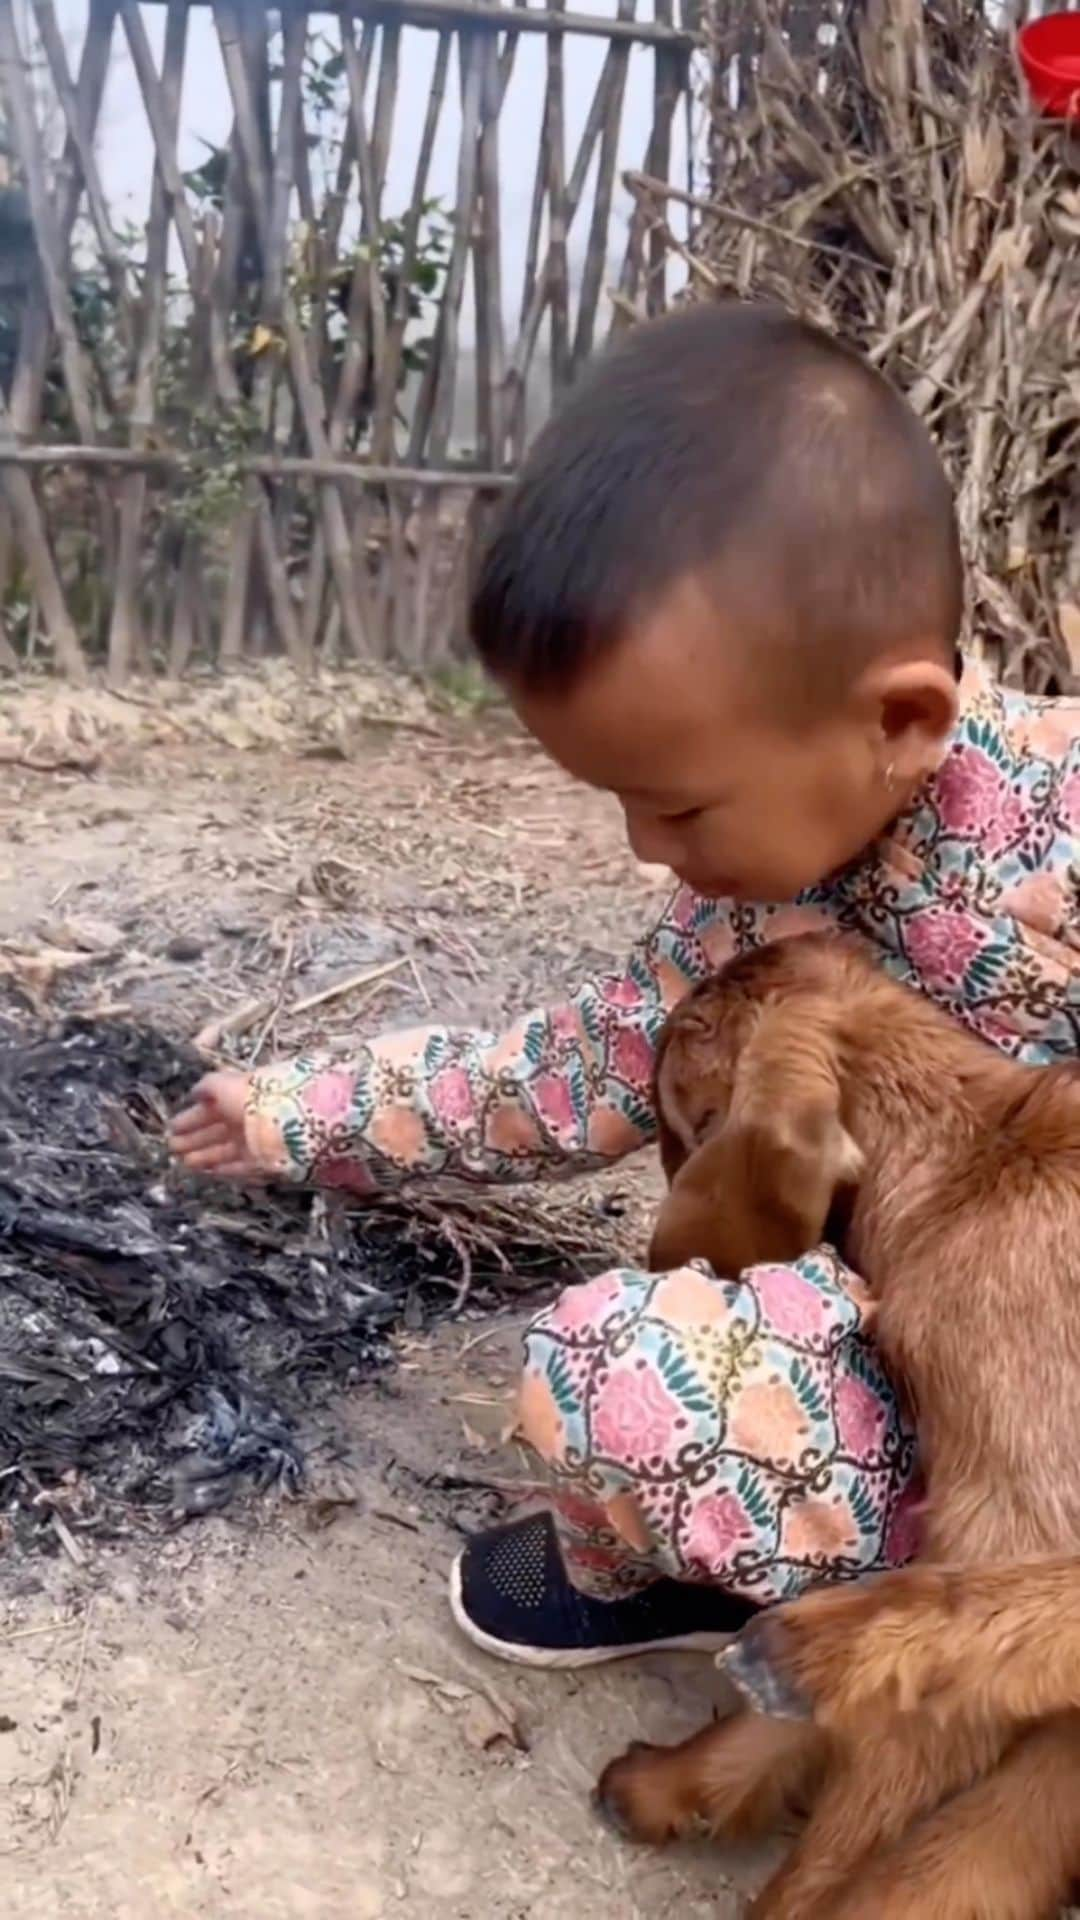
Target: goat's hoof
[
  {"x": 754, "y": 1663},
  {"x": 629, "y": 1795}
]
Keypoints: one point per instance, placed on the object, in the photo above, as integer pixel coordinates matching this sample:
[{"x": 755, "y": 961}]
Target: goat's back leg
[
  {"x": 877, "y": 1786},
  {"x": 1006, "y": 1849},
  {"x": 735, "y": 1778}
]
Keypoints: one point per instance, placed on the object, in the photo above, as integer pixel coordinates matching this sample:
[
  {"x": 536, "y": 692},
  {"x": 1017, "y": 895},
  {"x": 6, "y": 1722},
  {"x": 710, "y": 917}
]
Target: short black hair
[{"x": 737, "y": 441}]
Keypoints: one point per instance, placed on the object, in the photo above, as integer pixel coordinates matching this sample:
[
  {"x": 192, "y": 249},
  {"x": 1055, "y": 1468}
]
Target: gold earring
[{"x": 890, "y": 776}]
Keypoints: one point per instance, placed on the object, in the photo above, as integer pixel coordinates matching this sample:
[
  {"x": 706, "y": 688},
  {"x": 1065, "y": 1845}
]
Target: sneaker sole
[{"x": 566, "y": 1658}]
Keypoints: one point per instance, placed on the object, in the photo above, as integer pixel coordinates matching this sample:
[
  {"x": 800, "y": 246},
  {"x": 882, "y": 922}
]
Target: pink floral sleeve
[
  {"x": 972, "y": 898},
  {"x": 562, "y": 1091}
]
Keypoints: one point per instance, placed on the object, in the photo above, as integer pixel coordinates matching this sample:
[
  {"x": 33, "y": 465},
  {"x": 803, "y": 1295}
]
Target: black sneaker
[{"x": 511, "y": 1595}]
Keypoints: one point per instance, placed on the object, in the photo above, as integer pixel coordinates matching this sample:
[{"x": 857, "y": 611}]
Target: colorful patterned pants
[{"x": 739, "y": 1432}]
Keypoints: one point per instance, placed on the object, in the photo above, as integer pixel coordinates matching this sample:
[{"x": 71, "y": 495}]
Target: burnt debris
[{"x": 163, "y": 1342}]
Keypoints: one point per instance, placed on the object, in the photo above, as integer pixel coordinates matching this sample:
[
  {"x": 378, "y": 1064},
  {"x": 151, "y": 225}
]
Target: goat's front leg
[
  {"x": 735, "y": 1778},
  {"x": 1002, "y": 1643}
]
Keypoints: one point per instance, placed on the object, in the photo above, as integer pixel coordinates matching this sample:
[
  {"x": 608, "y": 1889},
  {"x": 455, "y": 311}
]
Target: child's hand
[{"x": 209, "y": 1135}]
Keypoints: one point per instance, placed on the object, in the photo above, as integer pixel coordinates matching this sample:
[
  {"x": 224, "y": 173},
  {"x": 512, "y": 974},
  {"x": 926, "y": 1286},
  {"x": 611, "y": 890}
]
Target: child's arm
[{"x": 561, "y": 1091}]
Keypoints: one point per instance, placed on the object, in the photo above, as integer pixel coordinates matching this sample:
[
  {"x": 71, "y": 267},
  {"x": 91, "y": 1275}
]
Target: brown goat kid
[{"x": 941, "y": 1763}]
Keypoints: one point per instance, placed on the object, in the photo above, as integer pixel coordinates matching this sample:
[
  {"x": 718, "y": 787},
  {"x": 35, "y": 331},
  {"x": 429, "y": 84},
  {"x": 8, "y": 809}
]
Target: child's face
[{"x": 737, "y": 800}]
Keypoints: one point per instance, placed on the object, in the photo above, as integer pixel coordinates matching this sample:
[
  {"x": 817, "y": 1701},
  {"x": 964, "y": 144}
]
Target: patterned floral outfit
[{"x": 738, "y": 1432}]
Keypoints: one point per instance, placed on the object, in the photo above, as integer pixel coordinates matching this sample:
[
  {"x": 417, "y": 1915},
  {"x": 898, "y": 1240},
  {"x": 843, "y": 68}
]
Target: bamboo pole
[
  {"x": 487, "y": 273},
  {"x": 558, "y": 278},
  {"x": 27, "y": 518},
  {"x": 26, "y": 134},
  {"x": 367, "y": 308},
  {"x": 213, "y": 316},
  {"x": 223, "y": 372},
  {"x": 35, "y": 332},
  {"x": 142, "y": 60},
  {"x": 308, "y": 398},
  {"x": 536, "y": 221},
  {"x": 184, "y": 621},
  {"x": 125, "y": 621},
  {"x": 592, "y": 278},
  {"x": 82, "y": 143},
  {"x": 508, "y": 56},
  {"x": 383, "y": 427},
  {"x": 284, "y": 466},
  {"x": 250, "y": 530},
  {"x": 333, "y": 213},
  {"x": 435, "y": 406},
  {"x": 385, "y": 102},
  {"x": 367, "y": 304},
  {"x": 324, "y": 242},
  {"x": 292, "y": 178},
  {"x": 274, "y": 246},
  {"x": 9, "y": 659},
  {"x": 666, "y": 90},
  {"x": 524, "y": 19},
  {"x": 35, "y": 346},
  {"x": 605, "y": 114}
]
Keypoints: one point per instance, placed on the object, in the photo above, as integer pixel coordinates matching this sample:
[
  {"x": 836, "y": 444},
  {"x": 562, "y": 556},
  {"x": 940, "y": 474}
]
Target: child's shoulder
[
  {"x": 1005, "y": 802},
  {"x": 973, "y": 898},
  {"x": 1017, "y": 729}
]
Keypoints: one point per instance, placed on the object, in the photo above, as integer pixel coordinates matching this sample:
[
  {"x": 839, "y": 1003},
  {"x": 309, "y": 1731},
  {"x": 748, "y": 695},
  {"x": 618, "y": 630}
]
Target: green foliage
[
  {"x": 212, "y": 480},
  {"x": 462, "y": 687}
]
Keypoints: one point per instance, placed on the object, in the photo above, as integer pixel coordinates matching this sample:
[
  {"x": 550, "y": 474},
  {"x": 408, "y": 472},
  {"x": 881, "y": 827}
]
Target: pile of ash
[{"x": 162, "y": 1341}]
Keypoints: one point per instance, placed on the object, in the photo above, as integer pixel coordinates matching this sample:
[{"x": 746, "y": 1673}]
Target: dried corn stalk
[{"x": 891, "y": 184}]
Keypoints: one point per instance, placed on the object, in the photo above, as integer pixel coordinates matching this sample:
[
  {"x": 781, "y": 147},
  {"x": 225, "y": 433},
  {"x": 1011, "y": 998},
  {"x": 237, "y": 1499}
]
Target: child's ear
[{"x": 912, "y": 707}]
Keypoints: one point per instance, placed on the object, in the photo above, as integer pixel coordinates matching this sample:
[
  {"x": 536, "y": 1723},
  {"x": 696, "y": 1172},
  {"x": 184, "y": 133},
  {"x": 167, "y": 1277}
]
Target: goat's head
[{"x": 749, "y": 1095}]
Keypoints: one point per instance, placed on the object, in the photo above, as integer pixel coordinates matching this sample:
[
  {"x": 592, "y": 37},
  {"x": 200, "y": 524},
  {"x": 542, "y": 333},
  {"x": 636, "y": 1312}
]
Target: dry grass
[{"x": 893, "y": 186}]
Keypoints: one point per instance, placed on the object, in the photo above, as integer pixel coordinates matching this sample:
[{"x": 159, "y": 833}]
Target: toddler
[{"x": 727, "y": 589}]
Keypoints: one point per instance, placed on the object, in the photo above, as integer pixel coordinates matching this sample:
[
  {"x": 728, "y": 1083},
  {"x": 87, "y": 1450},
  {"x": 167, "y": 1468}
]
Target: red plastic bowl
[{"x": 1049, "y": 54}]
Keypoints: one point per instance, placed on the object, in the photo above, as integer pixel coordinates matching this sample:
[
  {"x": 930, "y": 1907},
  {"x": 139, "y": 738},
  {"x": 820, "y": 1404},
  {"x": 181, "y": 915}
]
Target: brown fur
[
  {"x": 943, "y": 1691},
  {"x": 739, "y": 1786}
]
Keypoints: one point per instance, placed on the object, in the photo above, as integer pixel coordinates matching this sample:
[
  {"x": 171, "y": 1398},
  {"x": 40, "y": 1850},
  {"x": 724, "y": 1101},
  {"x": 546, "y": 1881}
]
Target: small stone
[{"x": 184, "y": 947}]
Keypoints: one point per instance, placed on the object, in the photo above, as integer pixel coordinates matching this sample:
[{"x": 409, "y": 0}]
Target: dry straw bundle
[{"x": 890, "y": 182}]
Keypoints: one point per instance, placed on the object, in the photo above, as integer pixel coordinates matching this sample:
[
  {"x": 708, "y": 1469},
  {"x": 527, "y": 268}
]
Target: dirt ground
[
  {"x": 270, "y": 1718},
  {"x": 269, "y": 1714}
]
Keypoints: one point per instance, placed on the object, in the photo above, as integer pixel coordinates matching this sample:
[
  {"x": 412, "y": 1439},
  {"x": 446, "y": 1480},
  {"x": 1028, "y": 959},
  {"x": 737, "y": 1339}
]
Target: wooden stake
[{"x": 125, "y": 622}]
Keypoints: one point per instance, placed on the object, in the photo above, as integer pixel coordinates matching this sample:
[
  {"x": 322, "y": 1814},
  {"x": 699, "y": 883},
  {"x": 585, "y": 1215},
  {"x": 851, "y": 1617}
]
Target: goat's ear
[
  {"x": 761, "y": 1188},
  {"x": 688, "y": 1097},
  {"x": 675, "y": 1133},
  {"x": 672, "y": 1151},
  {"x": 676, "y": 1130}
]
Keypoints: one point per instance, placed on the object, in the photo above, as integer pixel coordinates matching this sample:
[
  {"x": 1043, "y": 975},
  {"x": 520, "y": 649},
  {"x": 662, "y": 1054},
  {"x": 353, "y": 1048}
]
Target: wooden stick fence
[{"x": 212, "y": 458}]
